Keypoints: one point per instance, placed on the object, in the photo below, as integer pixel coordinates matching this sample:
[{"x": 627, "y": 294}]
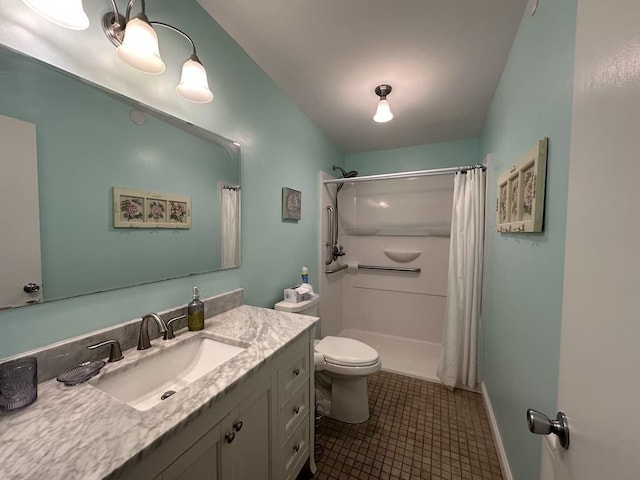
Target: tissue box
[{"x": 291, "y": 295}]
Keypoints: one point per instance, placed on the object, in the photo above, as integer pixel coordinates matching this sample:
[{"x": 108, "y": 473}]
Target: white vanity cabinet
[
  {"x": 237, "y": 448},
  {"x": 261, "y": 429},
  {"x": 294, "y": 391}
]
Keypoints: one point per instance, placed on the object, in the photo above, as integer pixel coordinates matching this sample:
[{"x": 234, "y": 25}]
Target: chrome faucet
[{"x": 143, "y": 340}]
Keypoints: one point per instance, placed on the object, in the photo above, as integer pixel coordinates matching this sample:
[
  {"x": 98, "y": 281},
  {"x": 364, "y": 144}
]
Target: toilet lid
[{"x": 346, "y": 351}]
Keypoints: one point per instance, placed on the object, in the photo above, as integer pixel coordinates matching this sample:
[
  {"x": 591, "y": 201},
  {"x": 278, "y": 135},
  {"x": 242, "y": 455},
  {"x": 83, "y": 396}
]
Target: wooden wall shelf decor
[{"x": 521, "y": 190}]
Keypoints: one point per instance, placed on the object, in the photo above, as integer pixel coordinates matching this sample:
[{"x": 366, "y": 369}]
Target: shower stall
[{"x": 385, "y": 254}]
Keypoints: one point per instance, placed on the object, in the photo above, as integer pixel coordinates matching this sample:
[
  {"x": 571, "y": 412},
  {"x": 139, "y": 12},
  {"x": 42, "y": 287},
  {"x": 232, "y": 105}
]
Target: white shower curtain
[
  {"x": 230, "y": 227},
  {"x": 458, "y": 363}
]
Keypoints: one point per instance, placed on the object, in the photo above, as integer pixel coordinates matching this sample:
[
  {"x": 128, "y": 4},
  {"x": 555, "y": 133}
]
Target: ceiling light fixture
[
  {"x": 383, "y": 112},
  {"x": 135, "y": 39},
  {"x": 66, "y": 13}
]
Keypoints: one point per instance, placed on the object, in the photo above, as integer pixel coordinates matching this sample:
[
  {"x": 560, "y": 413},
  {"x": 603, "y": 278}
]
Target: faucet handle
[
  {"x": 169, "y": 335},
  {"x": 116, "y": 352}
]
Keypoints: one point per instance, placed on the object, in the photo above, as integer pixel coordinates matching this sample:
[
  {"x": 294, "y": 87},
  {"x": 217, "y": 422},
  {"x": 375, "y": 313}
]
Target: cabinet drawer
[
  {"x": 292, "y": 411},
  {"x": 293, "y": 370},
  {"x": 295, "y": 450}
]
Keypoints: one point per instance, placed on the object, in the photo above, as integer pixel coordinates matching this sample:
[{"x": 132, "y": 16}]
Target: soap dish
[{"x": 81, "y": 373}]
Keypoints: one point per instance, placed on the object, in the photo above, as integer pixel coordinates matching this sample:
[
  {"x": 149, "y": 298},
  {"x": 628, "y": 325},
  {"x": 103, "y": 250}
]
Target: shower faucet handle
[{"x": 338, "y": 251}]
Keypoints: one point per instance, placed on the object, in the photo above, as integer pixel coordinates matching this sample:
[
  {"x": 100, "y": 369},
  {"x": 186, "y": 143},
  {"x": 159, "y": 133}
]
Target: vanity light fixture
[
  {"x": 135, "y": 39},
  {"x": 383, "y": 112},
  {"x": 137, "y": 45},
  {"x": 66, "y": 13}
]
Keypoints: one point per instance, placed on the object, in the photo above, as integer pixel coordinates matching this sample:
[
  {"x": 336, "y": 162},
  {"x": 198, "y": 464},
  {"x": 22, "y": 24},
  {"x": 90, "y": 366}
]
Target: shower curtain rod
[{"x": 417, "y": 173}]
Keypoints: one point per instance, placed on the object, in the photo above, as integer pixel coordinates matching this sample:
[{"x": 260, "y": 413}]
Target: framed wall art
[
  {"x": 291, "y": 204},
  {"x": 521, "y": 191},
  {"x": 139, "y": 209}
]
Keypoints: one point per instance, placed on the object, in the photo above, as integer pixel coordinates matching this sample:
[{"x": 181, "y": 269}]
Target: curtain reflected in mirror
[{"x": 230, "y": 226}]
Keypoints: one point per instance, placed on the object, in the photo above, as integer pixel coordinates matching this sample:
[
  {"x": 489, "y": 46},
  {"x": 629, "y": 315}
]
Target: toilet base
[{"x": 349, "y": 400}]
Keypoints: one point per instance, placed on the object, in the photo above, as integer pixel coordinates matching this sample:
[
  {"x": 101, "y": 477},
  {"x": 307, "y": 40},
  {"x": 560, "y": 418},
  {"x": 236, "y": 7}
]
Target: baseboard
[{"x": 502, "y": 454}]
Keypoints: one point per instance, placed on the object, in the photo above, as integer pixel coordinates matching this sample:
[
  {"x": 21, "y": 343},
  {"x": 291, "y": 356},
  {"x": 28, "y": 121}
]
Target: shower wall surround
[
  {"x": 245, "y": 105},
  {"x": 404, "y": 215}
]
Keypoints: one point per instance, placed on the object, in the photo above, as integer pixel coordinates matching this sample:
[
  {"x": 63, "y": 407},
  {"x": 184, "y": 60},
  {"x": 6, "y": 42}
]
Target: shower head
[{"x": 346, "y": 174}]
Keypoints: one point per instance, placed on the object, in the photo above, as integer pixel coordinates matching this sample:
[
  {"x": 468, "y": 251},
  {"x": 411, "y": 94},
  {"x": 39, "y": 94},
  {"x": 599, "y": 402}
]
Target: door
[
  {"x": 20, "y": 233},
  {"x": 246, "y": 433},
  {"x": 599, "y": 380}
]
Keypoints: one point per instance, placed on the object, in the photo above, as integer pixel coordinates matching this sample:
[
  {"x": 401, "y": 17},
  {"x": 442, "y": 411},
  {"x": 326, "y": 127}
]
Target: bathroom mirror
[{"x": 88, "y": 141}]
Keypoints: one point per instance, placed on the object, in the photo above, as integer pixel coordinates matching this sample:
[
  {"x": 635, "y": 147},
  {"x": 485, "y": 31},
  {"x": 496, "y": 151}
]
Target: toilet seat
[{"x": 346, "y": 353}]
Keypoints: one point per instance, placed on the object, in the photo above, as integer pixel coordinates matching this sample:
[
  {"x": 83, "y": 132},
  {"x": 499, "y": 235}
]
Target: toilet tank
[{"x": 308, "y": 307}]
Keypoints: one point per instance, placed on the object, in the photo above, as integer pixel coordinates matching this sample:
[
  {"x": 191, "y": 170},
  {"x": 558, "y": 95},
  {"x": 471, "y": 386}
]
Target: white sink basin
[{"x": 143, "y": 383}]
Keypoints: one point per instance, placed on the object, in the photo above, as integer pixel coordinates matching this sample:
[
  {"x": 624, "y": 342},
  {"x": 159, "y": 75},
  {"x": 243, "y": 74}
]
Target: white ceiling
[{"x": 443, "y": 59}]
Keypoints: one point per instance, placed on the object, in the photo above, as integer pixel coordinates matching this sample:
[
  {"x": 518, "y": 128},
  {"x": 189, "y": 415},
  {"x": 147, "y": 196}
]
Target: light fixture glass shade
[
  {"x": 193, "y": 84},
  {"x": 140, "y": 47},
  {"x": 66, "y": 13},
  {"x": 383, "y": 112}
]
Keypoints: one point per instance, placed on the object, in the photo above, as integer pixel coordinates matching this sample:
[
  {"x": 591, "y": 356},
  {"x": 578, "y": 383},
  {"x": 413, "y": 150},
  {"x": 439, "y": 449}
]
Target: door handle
[
  {"x": 31, "y": 287},
  {"x": 540, "y": 424}
]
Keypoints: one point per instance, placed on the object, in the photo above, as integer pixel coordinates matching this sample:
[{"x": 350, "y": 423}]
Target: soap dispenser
[{"x": 195, "y": 311}]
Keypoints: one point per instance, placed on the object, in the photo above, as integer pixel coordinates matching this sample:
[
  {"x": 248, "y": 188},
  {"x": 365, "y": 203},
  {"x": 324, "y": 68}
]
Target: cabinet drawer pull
[
  {"x": 296, "y": 447},
  {"x": 237, "y": 426},
  {"x": 296, "y": 372},
  {"x": 229, "y": 437},
  {"x": 296, "y": 410}
]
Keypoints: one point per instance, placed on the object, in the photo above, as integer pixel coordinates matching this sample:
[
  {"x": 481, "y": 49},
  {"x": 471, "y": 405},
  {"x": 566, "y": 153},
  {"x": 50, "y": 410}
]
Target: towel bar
[{"x": 392, "y": 269}]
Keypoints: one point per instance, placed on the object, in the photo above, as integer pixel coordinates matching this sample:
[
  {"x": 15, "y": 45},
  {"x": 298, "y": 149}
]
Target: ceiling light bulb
[
  {"x": 193, "y": 84},
  {"x": 140, "y": 46},
  {"x": 383, "y": 112},
  {"x": 66, "y": 13}
]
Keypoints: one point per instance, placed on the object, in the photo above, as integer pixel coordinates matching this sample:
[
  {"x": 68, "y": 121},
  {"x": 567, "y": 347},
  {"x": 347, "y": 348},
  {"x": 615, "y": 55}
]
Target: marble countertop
[{"x": 82, "y": 433}]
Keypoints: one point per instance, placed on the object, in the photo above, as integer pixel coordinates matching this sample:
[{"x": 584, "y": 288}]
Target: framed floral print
[
  {"x": 139, "y": 209},
  {"x": 521, "y": 190}
]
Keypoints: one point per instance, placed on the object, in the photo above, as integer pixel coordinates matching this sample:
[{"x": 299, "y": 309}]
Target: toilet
[{"x": 342, "y": 366}]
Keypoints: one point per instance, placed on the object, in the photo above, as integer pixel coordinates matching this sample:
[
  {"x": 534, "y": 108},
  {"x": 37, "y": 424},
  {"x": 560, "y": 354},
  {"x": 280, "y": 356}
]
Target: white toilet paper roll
[{"x": 353, "y": 266}]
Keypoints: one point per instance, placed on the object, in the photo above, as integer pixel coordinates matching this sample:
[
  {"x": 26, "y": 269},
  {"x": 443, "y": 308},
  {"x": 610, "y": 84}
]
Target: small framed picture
[
  {"x": 129, "y": 210},
  {"x": 156, "y": 210},
  {"x": 291, "y": 204},
  {"x": 178, "y": 212}
]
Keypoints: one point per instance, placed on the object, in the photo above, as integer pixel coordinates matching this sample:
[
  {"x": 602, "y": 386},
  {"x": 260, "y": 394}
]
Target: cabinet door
[
  {"x": 200, "y": 462},
  {"x": 246, "y": 438}
]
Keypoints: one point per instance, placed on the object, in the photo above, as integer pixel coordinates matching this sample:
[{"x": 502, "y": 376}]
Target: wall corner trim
[{"x": 502, "y": 454}]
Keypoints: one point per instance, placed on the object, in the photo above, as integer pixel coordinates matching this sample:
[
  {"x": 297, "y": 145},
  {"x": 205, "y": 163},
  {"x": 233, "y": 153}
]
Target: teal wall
[
  {"x": 420, "y": 157},
  {"x": 280, "y": 147},
  {"x": 522, "y": 305}
]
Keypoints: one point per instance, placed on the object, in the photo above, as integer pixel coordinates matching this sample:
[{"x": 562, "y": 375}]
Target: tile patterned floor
[{"x": 417, "y": 430}]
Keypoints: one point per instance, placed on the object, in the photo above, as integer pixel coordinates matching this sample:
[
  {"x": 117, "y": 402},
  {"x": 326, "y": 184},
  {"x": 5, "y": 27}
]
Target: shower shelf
[{"x": 402, "y": 256}]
